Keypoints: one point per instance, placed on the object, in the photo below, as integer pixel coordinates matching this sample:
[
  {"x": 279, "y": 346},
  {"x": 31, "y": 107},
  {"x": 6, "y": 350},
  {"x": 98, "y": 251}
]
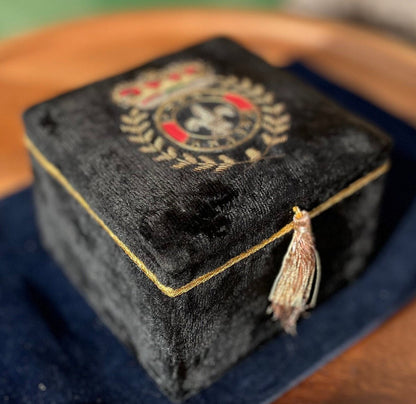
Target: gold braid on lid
[{"x": 295, "y": 288}]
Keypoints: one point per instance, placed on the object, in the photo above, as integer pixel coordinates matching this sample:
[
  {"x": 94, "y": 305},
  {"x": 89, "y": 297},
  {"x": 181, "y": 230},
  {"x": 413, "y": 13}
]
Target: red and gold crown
[{"x": 152, "y": 87}]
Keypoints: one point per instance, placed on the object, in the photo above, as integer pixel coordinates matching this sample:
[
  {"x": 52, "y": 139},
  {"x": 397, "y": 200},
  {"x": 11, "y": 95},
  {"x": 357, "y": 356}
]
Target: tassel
[{"x": 299, "y": 276}]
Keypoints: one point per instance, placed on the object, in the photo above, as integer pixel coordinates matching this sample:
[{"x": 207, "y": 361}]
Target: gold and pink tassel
[{"x": 295, "y": 288}]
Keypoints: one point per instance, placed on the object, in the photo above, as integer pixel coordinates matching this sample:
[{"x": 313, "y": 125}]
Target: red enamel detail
[
  {"x": 239, "y": 101},
  {"x": 130, "y": 91},
  {"x": 174, "y": 76},
  {"x": 153, "y": 84},
  {"x": 190, "y": 69},
  {"x": 174, "y": 131}
]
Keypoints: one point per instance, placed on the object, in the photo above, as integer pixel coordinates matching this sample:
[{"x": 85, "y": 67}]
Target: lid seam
[{"x": 54, "y": 172}]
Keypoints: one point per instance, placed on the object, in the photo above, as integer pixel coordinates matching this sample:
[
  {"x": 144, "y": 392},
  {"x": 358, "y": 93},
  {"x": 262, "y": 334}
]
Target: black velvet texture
[{"x": 184, "y": 223}]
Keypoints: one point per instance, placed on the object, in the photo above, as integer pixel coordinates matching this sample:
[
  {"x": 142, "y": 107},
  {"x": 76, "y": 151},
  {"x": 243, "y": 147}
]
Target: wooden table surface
[{"x": 381, "y": 368}]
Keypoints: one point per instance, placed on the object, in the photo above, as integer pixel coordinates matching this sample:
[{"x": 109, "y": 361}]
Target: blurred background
[
  {"x": 367, "y": 63},
  {"x": 398, "y": 17}
]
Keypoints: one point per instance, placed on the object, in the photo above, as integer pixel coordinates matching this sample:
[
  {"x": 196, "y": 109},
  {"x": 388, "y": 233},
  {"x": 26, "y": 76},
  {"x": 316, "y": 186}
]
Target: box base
[{"x": 54, "y": 338}]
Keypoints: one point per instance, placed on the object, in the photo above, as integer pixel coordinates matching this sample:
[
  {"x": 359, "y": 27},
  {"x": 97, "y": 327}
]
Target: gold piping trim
[{"x": 345, "y": 193}]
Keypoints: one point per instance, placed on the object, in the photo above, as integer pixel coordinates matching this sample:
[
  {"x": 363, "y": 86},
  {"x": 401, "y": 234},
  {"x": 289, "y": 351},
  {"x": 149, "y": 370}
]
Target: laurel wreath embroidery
[{"x": 275, "y": 124}]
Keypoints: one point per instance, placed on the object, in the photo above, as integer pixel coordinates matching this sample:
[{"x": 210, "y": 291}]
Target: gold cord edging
[{"x": 171, "y": 292}]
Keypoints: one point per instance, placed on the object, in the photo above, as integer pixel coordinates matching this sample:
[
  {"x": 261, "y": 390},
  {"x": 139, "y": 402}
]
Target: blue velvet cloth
[{"x": 54, "y": 349}]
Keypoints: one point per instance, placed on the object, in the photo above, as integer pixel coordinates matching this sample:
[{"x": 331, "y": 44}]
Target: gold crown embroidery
[{"x": 186, "y": 114}]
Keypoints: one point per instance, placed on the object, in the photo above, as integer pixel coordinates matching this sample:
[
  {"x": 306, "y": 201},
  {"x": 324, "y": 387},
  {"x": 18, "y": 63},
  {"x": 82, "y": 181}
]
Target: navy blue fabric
[{"x": 53, "y": 348}]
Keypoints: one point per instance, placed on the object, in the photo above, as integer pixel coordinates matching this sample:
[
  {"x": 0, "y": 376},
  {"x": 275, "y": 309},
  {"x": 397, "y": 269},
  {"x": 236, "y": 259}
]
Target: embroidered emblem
[{"x": 186, "y": 114}]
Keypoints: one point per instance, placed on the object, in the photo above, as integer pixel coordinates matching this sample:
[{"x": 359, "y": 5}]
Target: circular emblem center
[{"x": 208, "y": 120}]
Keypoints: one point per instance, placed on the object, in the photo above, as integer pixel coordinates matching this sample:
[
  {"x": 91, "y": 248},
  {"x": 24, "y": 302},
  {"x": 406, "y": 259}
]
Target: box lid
[{"x": 194, "y": 161}]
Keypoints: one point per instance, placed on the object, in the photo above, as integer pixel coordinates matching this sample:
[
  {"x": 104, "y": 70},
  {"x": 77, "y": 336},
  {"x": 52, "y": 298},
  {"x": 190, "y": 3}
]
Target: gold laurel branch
[
  {"x": 227, "y": 162},
  {"x": 276, "y": 124},
  {"x": 275, "y": 109},
  {"x": 203, "y": 163},
  {"x": 257, "y": 90},
  {"x": 134, "y": 117},
  {"x": 148, "y": 149},
  {"x": 145, "y": 137},
  {"x": 253, "y": 154},
  {"x": 265, "y": 99},
  {"x": 159, "y": 143},
  {"x": 137, "y": 129},
  {"x": 272, "y": 141},
  {"x": 153, "y": 147},
  {"x": 277, "y": 129},
  {"x": 207, "y": 163},
  {"x": 246, "y": 84},
  {"x": 228, "y": 81},
  {"x": 169, "y": 154},
  {"x": 276, "y": 120}
]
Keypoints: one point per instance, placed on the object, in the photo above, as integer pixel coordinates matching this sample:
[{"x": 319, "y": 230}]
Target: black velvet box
[{"x": 166, "y": 194}]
